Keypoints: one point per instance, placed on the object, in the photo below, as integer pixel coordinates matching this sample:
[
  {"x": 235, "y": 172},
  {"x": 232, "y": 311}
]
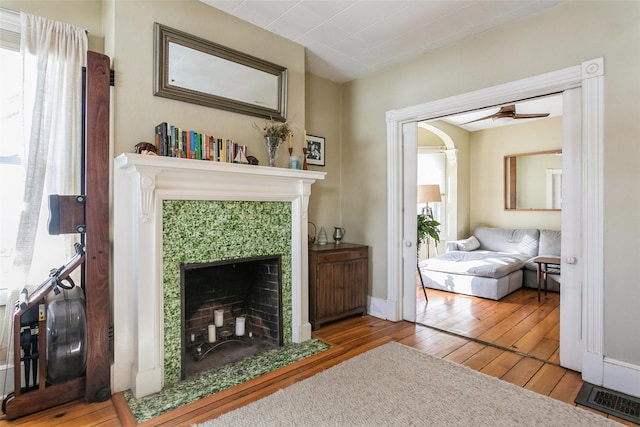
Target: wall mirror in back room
[
  {"x": 533, "y": 181},
  {"x": 191, "y": 69}
]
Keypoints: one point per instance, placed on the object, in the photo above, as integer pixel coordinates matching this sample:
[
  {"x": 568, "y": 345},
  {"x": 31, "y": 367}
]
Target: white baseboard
[
  {"x": 377, "y": 307},
  {"x": 622, "y": 376},
  {"x": 592, "y": 367}
]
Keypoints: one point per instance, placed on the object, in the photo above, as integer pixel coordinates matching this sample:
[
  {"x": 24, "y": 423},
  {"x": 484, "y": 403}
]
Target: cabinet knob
[{"x": 408, "y": 243}]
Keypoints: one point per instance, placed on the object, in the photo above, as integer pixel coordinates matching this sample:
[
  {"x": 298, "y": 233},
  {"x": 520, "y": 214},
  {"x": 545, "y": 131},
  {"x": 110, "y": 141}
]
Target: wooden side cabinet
[{"x": 338, "y": 282}]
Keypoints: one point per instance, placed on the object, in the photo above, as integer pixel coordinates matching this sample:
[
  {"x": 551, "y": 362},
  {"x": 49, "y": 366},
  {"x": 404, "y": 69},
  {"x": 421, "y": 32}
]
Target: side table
[{"x": 542, "y": 268}]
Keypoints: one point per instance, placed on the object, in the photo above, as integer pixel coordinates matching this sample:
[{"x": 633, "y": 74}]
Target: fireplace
[
  {"x": 206, "y": 231},
  {"x": 230, "y": 310},
  {"x": 168, "y": 211}
]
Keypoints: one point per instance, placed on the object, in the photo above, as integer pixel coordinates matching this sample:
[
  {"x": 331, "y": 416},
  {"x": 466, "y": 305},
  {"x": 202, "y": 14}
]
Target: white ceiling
[{"x": 350, "y": 39}]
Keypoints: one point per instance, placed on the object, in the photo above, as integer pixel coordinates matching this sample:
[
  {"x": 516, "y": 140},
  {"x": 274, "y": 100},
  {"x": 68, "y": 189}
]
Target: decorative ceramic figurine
[
  {"x": 322, "y": 237},
  {"x": 145, "y": 148}
]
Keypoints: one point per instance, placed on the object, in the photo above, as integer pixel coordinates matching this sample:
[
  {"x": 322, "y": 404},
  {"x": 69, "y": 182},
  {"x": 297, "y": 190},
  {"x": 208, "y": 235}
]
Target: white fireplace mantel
[{"x": 141, "y": 183}]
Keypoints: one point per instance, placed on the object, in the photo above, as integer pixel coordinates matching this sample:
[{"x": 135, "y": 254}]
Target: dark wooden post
[{"x": 97, "y": 232}]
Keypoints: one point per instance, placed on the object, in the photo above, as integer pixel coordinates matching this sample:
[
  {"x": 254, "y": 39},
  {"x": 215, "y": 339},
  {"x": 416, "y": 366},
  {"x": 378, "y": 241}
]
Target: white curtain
[{"x": 53, "y": 54}]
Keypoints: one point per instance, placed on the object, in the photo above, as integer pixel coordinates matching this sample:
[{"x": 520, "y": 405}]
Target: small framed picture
[{"x": 315, "y": 150}]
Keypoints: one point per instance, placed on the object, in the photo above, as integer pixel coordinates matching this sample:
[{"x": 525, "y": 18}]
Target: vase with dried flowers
[{"x": 274, "y": 134}]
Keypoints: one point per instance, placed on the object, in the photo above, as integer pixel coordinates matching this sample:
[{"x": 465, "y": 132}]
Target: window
[
  {"x": 11, "y": 147},
  {"x": 40, "y": 86},
  {"x": 432, "y": 170}
]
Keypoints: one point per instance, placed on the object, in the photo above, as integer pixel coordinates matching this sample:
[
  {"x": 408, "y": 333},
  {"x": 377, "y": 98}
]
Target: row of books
[{"x": 172, "y": 141}]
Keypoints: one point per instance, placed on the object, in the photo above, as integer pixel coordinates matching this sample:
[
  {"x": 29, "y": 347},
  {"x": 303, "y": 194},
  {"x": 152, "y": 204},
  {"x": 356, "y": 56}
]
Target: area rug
[
  {"x": 175, "y": 395},
  {"x": 396, "y": 385}
]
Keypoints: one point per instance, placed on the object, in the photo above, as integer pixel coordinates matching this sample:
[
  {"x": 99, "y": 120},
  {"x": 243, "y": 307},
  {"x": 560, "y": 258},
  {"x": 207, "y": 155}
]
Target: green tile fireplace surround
[{"x": 196, "y": 231}]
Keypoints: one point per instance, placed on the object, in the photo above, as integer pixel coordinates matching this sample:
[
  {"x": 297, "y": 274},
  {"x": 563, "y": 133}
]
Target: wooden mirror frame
[
  {"x": 162, "y": 87},
  {"x": 510, "y": 179}
]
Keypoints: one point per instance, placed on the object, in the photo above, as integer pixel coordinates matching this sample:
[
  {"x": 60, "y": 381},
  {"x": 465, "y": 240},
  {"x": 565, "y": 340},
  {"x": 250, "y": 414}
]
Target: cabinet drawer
[{"x": 343, "y": 256}]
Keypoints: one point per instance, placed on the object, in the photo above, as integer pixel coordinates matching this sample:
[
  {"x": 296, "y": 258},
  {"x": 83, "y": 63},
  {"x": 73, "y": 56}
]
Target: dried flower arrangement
[{"x": 274, "y": 129}]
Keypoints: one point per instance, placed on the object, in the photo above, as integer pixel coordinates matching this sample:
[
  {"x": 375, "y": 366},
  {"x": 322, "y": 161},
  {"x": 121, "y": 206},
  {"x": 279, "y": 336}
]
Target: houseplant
[{"x": 427, "y": 227}]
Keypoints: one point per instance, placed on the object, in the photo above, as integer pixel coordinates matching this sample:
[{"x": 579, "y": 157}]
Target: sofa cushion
[
  {"x": 549, "y": 242},
  {"x": 470, "y": 244},
  {"x": 514, "y": 240},
  {"x": 475, "y": 263}
]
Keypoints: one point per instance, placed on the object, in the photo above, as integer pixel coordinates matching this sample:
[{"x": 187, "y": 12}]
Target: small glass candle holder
[{"x": 295, "y": 162}]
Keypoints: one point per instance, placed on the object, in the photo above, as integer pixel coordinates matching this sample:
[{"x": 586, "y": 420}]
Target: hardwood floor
[
  {"x": 518, "y": 322},
  {"x": 351, "y": 337}
]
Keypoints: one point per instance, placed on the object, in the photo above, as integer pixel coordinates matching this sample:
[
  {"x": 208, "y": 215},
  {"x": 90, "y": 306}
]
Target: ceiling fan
[{"x": 509, "y": 112}]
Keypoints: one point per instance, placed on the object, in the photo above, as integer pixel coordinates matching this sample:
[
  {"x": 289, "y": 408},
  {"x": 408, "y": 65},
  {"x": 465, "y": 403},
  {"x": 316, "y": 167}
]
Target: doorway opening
[
  {"x": 482, "y": 145},
  {"x": 582, "y": 238}
]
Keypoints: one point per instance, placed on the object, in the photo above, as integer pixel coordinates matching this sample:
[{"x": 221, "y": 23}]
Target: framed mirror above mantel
[
  {"x": 191, "y": 69},
  {"x": 533, "y": 181}
]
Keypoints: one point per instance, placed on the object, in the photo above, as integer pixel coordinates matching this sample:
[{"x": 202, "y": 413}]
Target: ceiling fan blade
[
  {"x": 529, "y": 116},
  {"x": 481, "y": 118},
  {"x": 508, "y": 111}
]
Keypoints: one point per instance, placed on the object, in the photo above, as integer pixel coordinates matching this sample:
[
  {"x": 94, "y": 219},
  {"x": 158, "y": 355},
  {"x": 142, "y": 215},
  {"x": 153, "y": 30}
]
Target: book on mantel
[{"x": 173, "y": 141}]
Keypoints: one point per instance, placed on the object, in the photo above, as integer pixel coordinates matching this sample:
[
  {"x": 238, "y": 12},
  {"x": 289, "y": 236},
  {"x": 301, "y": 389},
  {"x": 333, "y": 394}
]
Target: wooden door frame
[{"x": 589, "y": 77}]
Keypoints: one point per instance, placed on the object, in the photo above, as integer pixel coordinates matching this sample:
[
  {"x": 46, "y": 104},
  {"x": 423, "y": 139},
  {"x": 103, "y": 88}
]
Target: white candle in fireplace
[
  {"x": 218, "y": 318},
  {"x": 211, "y": 330},
  {"x": 239, "y": 326}
]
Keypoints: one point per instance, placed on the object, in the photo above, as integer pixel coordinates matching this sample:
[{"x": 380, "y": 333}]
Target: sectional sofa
[{"x": 493, "y": 262}]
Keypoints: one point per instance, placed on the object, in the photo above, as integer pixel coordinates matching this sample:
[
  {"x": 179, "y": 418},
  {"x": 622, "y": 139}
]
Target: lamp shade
[{"x": 428, "y": 193}]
